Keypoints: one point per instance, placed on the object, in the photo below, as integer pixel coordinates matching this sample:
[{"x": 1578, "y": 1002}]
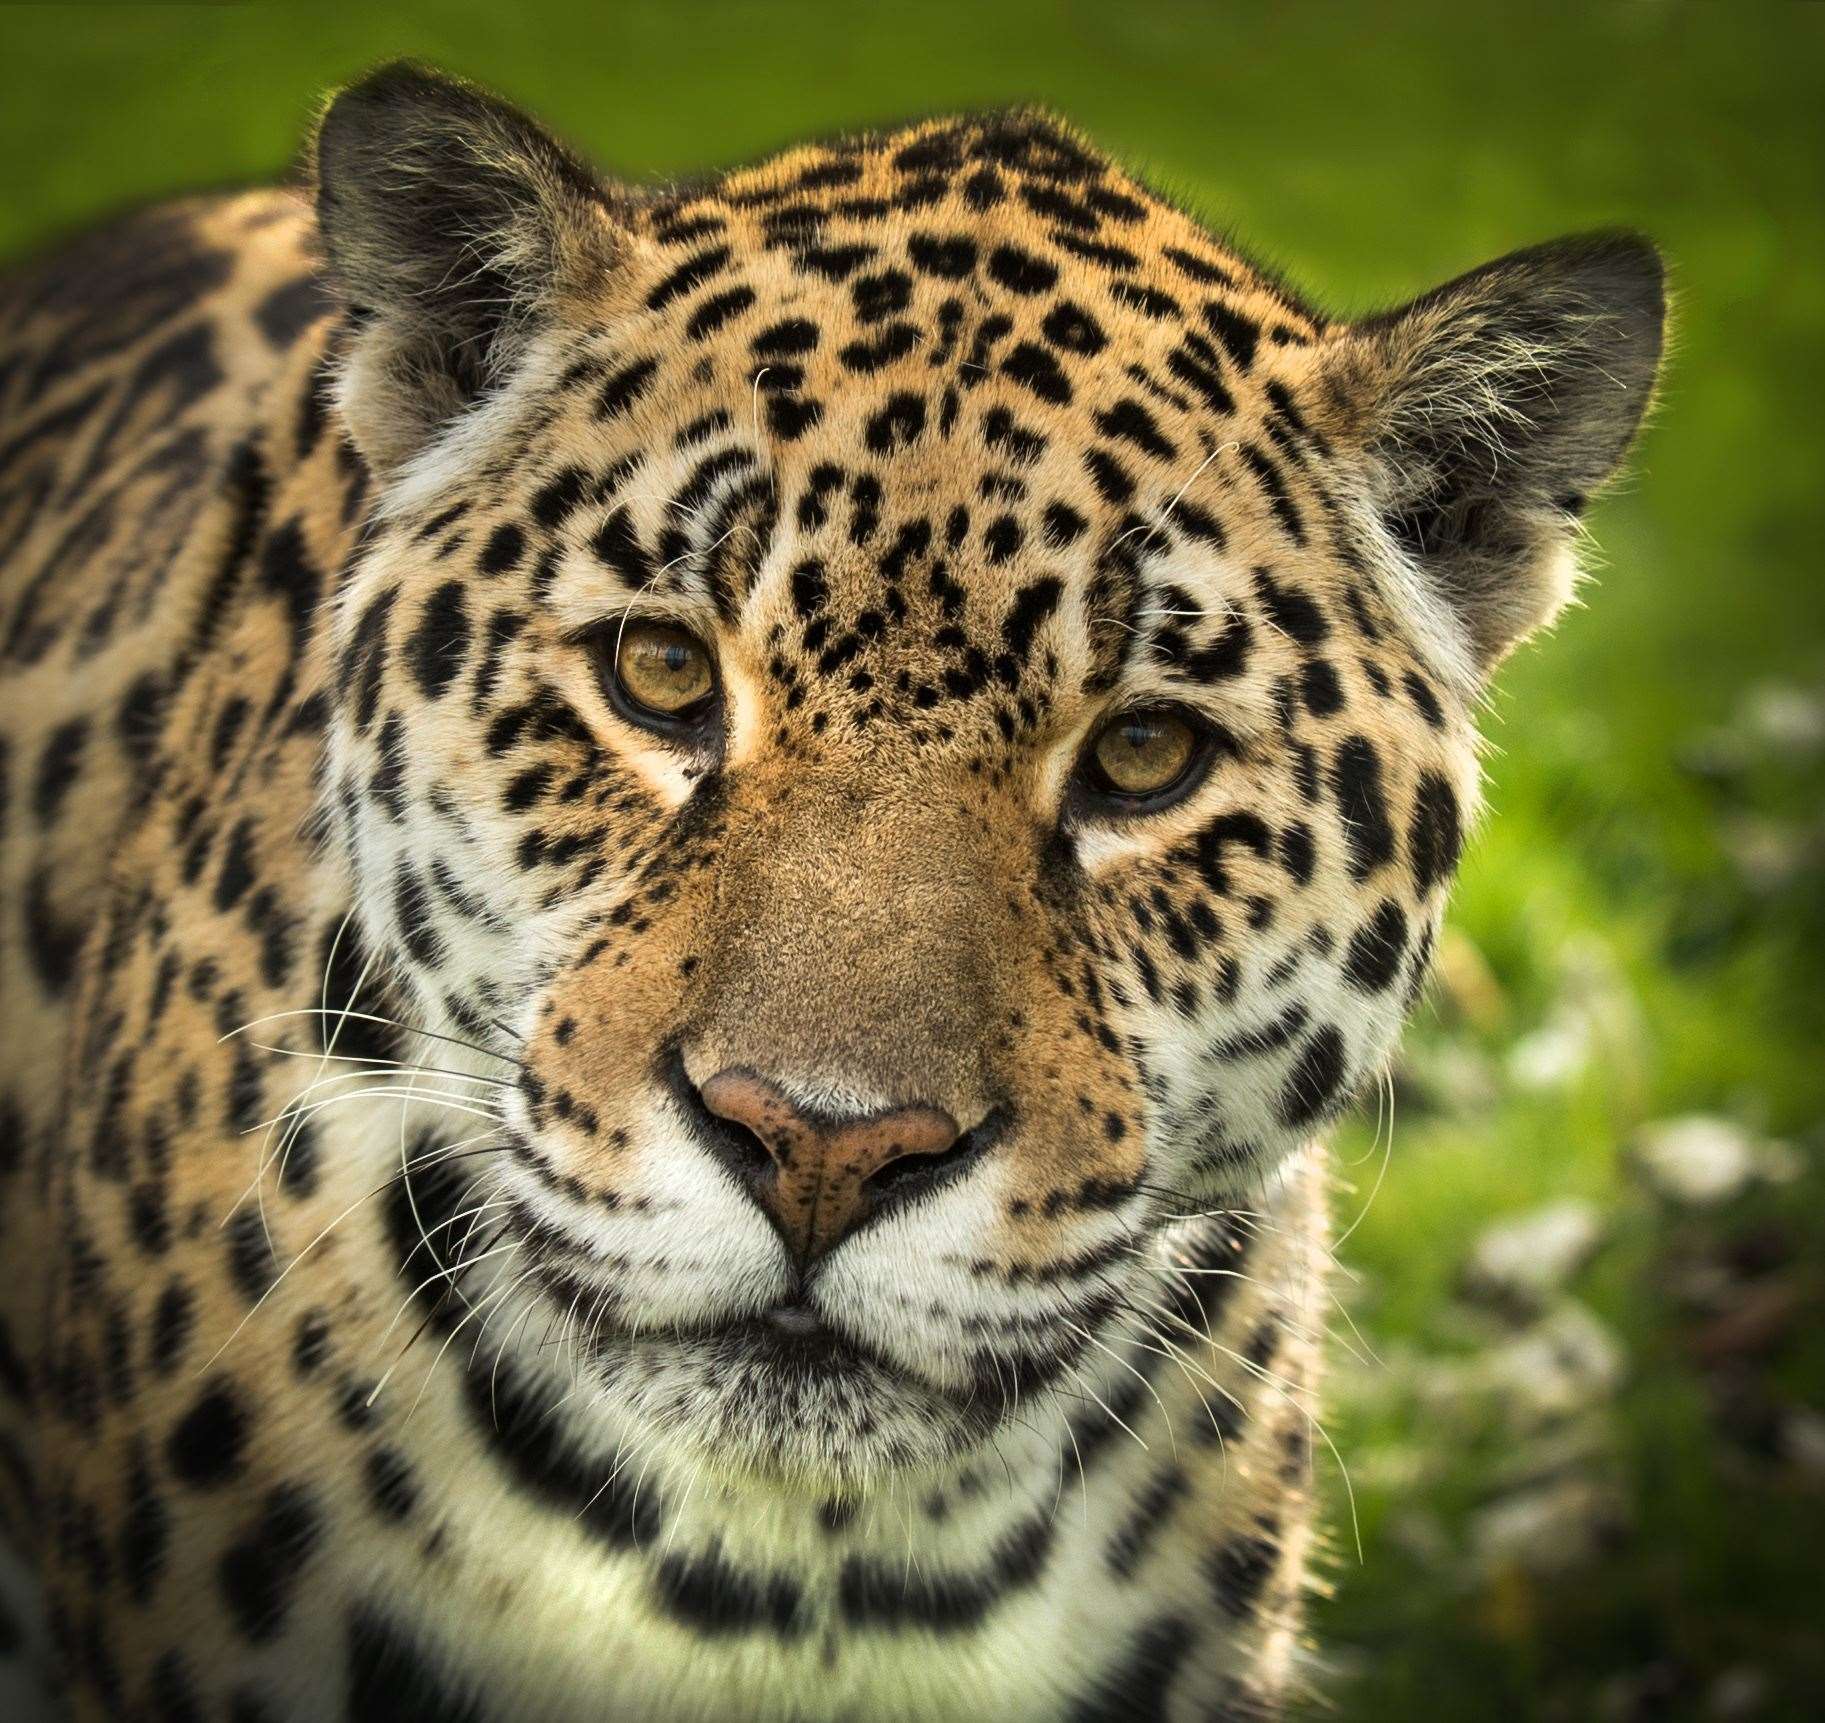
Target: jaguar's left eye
[
  {"x": 663, "y": 672},
  {"x": 1145, "y": 757}
]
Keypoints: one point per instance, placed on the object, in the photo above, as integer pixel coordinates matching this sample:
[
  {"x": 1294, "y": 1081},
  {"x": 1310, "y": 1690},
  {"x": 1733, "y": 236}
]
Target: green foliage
[{"x": 1645, "y": 882}]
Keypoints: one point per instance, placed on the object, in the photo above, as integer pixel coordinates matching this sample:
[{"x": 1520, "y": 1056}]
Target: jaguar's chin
[{"x": 786, "y": 1400}]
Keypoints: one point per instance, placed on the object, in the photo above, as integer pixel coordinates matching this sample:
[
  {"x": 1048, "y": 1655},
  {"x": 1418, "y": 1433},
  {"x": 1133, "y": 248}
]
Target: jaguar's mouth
[
  {"x": 790, "y": 1340},
  {"x": 767, "y": 1382},
  {"x": 794, "y": 1339}
]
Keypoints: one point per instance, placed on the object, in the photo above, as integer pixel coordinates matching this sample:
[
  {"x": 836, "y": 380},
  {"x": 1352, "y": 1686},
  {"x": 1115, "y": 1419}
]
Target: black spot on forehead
[
  {"x": 716, "y": 310},
  {"x": 950, "y": 257},
  {"x": 1128, "y": 421},
  {"x": 617, "y": 545},
  {"x": 1111, "y": 479},
  {"x": 502, "y": 553},
  {"x": 1020, "y": 271},
  {"x": 1196, "y": 365},
  {"x": 559, "y": 497},
  {"x": 1031, "y": 144},
  {"x": 1218, "y": 658},
  {"x": 1019, "y": 442},
  {"x": 668, "y": 229},
  {"x": 897, "y": 424},
  {"x": 833, "y": 263},
  {"x": 1070, "y": 327},
  {"x": 1149, "y": 301},
  {"x": 880, "y": 295},
  {"x": 622, "y": 390},
  {"x": 1237, "y": 333},
  {"x": 790, "y": 417},
  {"x": 1320, "y": 688},
  {"x": 1291, "y": 610},
  {"x": 693, "y": 272},
  {"x": 1116, "y": 258},
  {"x": 810, "y": 589},
  {"x": 1273, "y": 485},
  {"x": 1033, "y": 367},
  {"x": 893, "y": 342},
  {"x": 786, "y": 339},
  {"x": 1032, "y": 605},
  {"x": 1064, "y": 525},
  {"x": 1002, "y": 538},
  {"x": 939, "y": 149}
]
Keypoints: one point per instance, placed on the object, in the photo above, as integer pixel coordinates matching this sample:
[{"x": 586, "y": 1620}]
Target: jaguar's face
[{"x": 894, "y": 717}]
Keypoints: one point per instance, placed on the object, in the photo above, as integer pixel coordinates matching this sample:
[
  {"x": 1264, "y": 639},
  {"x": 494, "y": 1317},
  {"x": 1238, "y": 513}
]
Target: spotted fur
[{"x": 385, "y": 1330}]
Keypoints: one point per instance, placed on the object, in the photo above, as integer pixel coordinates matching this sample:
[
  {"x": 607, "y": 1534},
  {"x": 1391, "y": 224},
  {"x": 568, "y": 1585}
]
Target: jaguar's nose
[{"x": 818, "y": 1177}]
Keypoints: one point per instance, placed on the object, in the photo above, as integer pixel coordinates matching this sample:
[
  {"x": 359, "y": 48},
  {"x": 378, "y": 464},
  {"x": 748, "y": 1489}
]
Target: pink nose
[{"x": 825, "y": 1177}]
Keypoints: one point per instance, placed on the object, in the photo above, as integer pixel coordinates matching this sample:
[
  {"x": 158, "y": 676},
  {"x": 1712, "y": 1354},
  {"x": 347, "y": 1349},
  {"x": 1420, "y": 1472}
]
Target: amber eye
[
  {"x": 662, "y": 672},
  {"x": 1140, "y": 756}
]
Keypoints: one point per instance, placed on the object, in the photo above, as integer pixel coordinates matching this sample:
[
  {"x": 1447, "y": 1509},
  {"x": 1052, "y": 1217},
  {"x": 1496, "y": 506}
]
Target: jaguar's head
[{"x": 927, "y": 704}]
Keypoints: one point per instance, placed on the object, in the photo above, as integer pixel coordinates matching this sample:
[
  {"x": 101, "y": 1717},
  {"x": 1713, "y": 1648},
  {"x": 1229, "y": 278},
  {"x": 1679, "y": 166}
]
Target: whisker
[
  {"x": 1381, "y": 1173},
  {"x": 293, "y": 1130},
  {"x": 494, "y": 1410},
  {"x": 1083, "y": 1478},
  {"x": 388, "y": 1064},
  {"x": 481, "y": 1333},
  {"x": 456, "y": 1103},
  {"x": 1140, "y": 1376},
  {"x": 436, "y": 1155},
  {"x": 1107, "y": 1408},
  {"x": 476, "y": 1310},
  {"x": 447, "y": 1273},
  {"x": 370, "y": 1017},
  {"x": 1165, "y": 1349}
]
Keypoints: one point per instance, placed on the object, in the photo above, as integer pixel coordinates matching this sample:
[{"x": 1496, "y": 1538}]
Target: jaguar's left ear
[
  {"x": 452, "y": 222},
  {"x": 1484, "y": 415}
]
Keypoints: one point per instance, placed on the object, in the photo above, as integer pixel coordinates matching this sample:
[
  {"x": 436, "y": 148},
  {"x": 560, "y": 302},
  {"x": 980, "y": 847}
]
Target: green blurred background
[{"x": 1584, "y": 1416}]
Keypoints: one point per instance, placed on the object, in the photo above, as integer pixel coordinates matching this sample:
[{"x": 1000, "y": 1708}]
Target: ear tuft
[
  {"x": 451, "y": 221},
  {"x": 1492, "y": 409}
]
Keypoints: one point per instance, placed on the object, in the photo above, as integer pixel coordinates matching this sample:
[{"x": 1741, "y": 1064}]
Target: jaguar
[{"x": 688, "y": 876}]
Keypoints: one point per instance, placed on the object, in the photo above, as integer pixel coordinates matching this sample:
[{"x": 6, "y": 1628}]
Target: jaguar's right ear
[{"x": 452, "y": 223}]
